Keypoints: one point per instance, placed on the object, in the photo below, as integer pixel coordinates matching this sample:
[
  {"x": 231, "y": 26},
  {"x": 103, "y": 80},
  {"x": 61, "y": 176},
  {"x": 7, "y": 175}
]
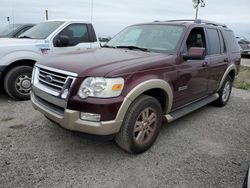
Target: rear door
[{"x": 218, "y": 57}]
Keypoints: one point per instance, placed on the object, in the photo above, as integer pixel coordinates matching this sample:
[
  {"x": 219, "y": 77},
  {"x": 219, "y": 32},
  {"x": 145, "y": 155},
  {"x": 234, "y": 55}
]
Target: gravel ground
[
  {"x": 245, "y": 62},
  {"x": 207, "y": 148}
]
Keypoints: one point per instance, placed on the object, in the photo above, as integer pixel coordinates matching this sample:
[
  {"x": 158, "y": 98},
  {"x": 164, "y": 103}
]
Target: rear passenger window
[
  {"x": 222, "y": 44},
  {"x": 213, "y": 41}
]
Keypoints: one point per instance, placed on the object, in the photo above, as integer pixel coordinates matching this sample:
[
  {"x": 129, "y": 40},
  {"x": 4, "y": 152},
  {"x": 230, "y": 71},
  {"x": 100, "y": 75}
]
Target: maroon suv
[{"x": 146, "y": 73}]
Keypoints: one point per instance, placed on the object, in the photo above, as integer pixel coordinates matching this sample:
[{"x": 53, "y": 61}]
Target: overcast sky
[{"x": 110, "y": 16}]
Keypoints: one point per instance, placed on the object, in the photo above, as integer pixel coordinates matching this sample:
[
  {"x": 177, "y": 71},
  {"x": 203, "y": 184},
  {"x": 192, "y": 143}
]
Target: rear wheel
[
  {"x": 141, "y": 125},
  {"x": 17, "y": 82},
  {"x": 224, "y": 92}
]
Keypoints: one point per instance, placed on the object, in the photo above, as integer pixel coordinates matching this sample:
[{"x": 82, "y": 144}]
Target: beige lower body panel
[{"x": 71, "y": 120}]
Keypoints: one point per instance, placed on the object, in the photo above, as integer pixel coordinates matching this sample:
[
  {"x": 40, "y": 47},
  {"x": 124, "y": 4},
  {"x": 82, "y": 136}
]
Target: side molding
[
  {"x": 141, "y": 88},
  {"x": 231, "y": 67}
]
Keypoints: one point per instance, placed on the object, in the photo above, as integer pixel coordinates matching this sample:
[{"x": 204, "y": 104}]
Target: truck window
[
  {"x": 77, "y": 33},
  {"x": 213, "y": 41},
  {"x": 41, "y": 30}
]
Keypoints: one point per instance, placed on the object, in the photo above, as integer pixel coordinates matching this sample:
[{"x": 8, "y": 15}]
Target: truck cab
[{"x": 50, "y": 38}]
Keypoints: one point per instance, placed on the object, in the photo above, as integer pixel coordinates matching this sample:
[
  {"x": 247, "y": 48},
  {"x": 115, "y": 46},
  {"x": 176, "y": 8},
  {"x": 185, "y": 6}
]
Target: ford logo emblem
[{"x": 48, "y": 78}]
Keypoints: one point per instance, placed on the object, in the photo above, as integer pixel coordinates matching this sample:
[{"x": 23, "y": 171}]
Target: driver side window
[
  {"x": 74, "y": 34},
  {"x": 196, "y": 38}
]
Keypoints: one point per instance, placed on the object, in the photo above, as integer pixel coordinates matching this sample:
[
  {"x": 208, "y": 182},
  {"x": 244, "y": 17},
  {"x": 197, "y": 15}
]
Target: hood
[
  {"x": 103, "y": 61},
  {"x": 13, "y": 42}
]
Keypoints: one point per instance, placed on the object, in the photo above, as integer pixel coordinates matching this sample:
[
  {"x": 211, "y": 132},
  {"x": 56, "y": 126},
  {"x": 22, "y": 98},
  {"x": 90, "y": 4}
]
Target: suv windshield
[
  {"x": 6, "y": 30},
  {"x": 41, "y": 30},
  {"x": 153, "y": 37}
]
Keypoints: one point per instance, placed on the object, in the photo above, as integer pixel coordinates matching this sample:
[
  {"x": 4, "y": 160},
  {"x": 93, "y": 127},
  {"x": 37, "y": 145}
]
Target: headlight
[{"x": 101, "y": 87}]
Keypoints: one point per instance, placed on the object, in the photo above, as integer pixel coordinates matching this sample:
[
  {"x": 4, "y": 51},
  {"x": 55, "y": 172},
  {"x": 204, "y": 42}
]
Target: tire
[
  {"x": 138, "y": 137},
  {"x": 224, "y": 92},
  {"x": 17, "y": 82}
]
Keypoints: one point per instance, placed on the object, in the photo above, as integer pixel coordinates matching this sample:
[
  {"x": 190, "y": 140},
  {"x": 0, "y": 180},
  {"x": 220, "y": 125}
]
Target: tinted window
[
  {"x": 42, "y": 30},
  {"x": 77, "y": 33},
  {"x": 222, "y": 43},
  {"x": 232, "y": 43},
  {"x": 213, "y": 41},
  {"x": 157, "y": 38},
  {"x": 196, "y": 38}
]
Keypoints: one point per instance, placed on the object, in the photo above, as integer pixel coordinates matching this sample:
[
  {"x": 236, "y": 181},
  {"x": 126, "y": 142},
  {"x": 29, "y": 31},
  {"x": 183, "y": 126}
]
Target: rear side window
[
  {"x": 232, "y": 43},
  {"x": 222, "y": 43},
  {"x": 213, "y": 41}
]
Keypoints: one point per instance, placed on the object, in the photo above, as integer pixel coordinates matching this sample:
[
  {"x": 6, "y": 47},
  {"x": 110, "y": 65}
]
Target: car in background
[
  {"x": 245, "y": 46},
  {"x": 104, "y": 40},
  {"x": 14, "y": 30}
]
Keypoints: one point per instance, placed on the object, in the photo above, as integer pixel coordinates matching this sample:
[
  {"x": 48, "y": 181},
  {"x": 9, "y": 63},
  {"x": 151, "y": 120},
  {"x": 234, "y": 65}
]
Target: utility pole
[
  {"x": 47, "y": 14},
  {"x": 8, "y": 20},
  {"x": 196, "y": 4},
  {"x": 92, "y": 6}
]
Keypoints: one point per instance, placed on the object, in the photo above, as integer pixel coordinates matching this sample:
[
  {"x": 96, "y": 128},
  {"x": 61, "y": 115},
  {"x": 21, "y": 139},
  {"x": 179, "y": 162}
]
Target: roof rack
[
  {"x": 210, "y": 23},
  {"x": 200, "y": 21}
]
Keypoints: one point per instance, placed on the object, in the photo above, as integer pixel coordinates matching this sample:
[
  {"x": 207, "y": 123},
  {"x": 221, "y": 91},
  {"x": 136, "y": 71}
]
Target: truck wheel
[
  {"x": 224, "y": 92},
  {"x": 17, "y": 82},
  {"x": 141, "y": 125}
]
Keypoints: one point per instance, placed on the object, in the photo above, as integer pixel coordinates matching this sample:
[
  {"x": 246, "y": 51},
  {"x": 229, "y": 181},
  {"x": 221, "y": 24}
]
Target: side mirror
[
  {"x": 62, "y": 41},
  {"x": 195, "y": 53}
]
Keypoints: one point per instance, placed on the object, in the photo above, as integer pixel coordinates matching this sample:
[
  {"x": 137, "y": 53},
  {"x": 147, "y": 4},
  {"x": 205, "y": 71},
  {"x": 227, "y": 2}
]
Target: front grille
[{"x": 52, "y": 80}]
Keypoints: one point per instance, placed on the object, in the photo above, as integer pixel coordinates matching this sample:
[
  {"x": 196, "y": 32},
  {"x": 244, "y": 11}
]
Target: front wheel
[
  {"x": 17, "y": 82},
  {"x": 141, "y": 125},
  {"x": 224, "y": 92}
]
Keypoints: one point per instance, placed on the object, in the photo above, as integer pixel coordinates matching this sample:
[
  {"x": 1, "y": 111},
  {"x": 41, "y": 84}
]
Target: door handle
[
  {"x": 226, "y": 60},
  {"x": 204, "y": 64}
]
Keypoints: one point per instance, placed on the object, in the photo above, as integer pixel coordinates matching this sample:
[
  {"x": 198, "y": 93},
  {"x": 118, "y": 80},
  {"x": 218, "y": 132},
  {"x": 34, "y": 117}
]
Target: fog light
[
  {"x": 65, "y": 94},
  {"x": 90, "y": 116}
]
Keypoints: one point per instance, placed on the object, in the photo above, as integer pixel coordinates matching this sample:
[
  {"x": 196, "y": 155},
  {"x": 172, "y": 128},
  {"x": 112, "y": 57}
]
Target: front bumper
[{"x": 70, "y": 119}]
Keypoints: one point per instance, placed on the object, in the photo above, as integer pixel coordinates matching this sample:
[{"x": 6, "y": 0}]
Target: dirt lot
[
  {"x": 208, "y": 148},
  {"x": 245, "y": 61}
]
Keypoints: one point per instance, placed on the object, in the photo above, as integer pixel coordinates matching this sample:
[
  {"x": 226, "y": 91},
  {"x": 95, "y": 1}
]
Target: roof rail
[
  {"x": 199, "y": 21},
  {"x": 210, "y": 23},
  {"x": 188, "y": 20}
]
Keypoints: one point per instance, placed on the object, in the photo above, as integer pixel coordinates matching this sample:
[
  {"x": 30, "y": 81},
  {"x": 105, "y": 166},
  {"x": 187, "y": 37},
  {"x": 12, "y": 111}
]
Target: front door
[
  {"x": 193, "y": 75},
  {"x": 78, "y": 38}
]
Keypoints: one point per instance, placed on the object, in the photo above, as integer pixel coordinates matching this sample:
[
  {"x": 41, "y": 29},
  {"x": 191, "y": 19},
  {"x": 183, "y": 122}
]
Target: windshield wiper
[
  {"x": 25, "y": 36},
  {"x": 134, "y": 47}
]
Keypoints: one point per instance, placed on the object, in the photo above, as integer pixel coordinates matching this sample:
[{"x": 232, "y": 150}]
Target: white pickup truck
[{"x": 54, "y": 37}]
